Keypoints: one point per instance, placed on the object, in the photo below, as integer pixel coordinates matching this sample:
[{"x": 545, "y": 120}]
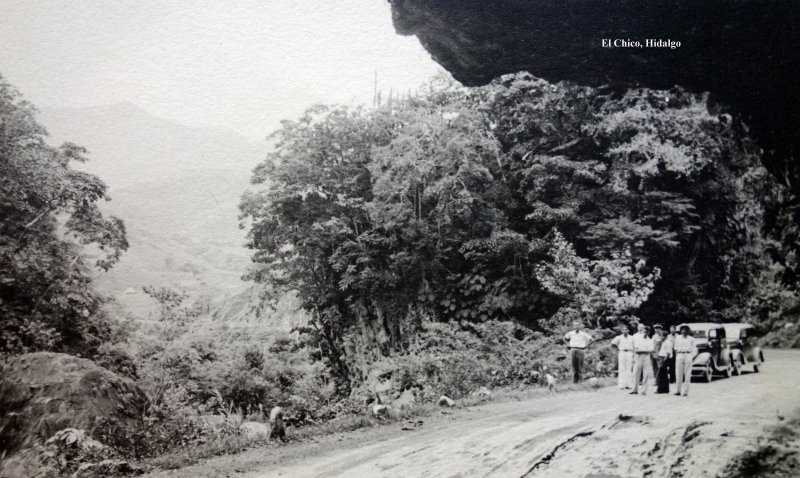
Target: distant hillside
[{"x": 177, "y": 188}]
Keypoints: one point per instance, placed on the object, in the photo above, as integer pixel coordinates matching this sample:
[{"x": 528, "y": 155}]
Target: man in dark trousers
[
  {"x": 577, "y": 341},
  {"x": 658, "y": 339},
  {"x": 673, "y": 333}
]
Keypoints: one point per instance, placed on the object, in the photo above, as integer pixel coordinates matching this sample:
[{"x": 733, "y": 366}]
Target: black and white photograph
[{"x": 400, "y": 238}]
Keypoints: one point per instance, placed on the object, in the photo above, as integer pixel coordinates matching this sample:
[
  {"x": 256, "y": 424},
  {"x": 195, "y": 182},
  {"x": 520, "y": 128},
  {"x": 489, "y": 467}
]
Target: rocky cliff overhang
[{"x": 745, "y": 52}]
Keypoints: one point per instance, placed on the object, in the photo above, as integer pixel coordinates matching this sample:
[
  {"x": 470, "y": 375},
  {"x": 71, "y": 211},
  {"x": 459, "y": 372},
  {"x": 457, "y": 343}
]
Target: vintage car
[
  {"x": 714, "y": 356},
  {"x": 743, "y": 344}
]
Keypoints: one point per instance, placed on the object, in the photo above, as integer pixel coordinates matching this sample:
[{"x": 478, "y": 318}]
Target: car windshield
[{"x": 699, "y": 334}]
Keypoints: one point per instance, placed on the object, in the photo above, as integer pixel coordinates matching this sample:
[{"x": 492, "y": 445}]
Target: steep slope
[{"x": 177, "y": 188}]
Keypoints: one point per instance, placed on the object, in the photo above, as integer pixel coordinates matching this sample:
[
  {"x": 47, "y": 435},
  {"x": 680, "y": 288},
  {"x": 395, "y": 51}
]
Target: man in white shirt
[
  {"x": 657, "y": 338},
  {"x": 685, "y": 351},
  {"x": 624, "y": 344},
  {"x": 577, "y": 341},
  {"x": 664, "y": 352},
  {"x": 643, "y": 351},
  {"x": 673, "y": 333}
]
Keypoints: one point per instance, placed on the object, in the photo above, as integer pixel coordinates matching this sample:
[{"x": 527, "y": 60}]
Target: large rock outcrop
[
  {"x": 42, "y": 393},
  {"x": 742, "y": 51}
]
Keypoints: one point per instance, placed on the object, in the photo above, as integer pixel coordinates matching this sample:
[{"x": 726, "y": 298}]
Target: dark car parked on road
[{"x": 744, "y": 348}]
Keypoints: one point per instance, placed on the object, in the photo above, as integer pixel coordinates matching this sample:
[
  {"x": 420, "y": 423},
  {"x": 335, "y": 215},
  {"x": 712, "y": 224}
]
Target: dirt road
[{"x": 603, "y": 433}]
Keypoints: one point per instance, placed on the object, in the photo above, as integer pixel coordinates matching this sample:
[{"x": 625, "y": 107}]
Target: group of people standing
[
  {"x": 645, "y": 359},
  {"x": 669, "y": 354}
]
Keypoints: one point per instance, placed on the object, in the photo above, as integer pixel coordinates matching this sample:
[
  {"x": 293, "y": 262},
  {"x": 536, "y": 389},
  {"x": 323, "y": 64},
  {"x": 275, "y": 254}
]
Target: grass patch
[{"x": 228, "y": 445}]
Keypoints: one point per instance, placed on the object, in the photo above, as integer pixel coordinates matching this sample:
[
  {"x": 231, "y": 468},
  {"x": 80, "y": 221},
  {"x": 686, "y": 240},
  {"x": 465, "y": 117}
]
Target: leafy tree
[
  {"x": 599, "y": 291},
  {"x": 521, "y": 201},
  {"x": 169, "y": 302},
  {"x": 663, "y": 173},
  {"x": 51, "y": 237}
]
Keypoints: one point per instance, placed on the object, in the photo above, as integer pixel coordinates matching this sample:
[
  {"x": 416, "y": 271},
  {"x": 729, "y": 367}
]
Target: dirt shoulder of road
[
  {"x": 776, "y": 454},
  {"x": 308, "y": 443},
  {"x": 722, "y": 428}
]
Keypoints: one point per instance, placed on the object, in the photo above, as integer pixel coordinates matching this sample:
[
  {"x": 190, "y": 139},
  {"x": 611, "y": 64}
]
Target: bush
[
  {"x": 456, "y": 359},
  {"x": 154, "y": 434}
]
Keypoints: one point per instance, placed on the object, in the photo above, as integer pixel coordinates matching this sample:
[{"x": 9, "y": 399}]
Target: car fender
[
  {"x": 701, "y": 359},
  {"x": 725, "y": 357},
  {"x": 740, "y": 357}
]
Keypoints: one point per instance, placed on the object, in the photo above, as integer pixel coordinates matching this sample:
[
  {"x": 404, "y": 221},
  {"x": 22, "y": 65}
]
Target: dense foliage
[
  {"x": 52, "y": 236},
  {"x": 521, "y": 201},
  {"x": 439, "y": 244}
]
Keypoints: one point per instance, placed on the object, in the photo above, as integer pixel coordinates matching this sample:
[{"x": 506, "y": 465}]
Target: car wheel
[
  {"x": 727, "y": 372},
  {"x": 736, "y": 366},
  {"x": 761, "y": 356},
  {"x": 755, "y": 368},
  {"x": 709, "y": 373}
]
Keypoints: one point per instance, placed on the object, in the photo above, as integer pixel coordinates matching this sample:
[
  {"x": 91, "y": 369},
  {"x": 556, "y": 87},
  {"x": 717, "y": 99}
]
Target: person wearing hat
[
  {"x": 643, "y": 351},
  {"x": 685, "y": 351},
  {"x": 662, "y": 373},
  {"x": 577, "y": 341},
  {"x": 658, "y": 338},
  {"x": 624, "y": 345},
  {"x": 673, "y": 333}
]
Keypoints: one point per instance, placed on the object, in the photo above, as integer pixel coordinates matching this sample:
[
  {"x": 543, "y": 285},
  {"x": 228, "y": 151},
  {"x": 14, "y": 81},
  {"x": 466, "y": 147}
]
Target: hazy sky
[{"x": 240, "y": 65}]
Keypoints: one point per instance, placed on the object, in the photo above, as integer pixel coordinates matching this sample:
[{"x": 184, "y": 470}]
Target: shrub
[{"x": 456, "y": 359}]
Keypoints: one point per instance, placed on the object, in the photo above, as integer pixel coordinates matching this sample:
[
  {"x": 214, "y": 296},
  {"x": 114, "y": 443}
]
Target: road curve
[{"x": 605, "y": 432}]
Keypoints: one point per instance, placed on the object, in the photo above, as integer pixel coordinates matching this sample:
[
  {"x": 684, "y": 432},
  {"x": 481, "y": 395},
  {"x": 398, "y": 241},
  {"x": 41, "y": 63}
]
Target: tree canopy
[
  {"x": 524, "y": 201},
  {"x": 52, "y": 235}
]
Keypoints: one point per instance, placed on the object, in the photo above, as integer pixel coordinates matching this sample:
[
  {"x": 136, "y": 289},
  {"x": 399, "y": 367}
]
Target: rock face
[
  {"x": 743, "y": 51},
  {"x": 42, "y": 393}
]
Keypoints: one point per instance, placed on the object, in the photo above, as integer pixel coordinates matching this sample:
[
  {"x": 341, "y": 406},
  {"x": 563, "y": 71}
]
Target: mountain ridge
[{"x": 177, "y": 188}]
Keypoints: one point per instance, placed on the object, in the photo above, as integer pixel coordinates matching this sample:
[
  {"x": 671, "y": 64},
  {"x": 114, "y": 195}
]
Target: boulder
[
  {"x": 380, "y": 410},
  {"x": 42, "y": 393},
  {"x": 213, "y": 421},
  {"x": 380, "y": 384},
  {"x": 405, "y": 399},
  {"x": 482, "y": 392},
  {"x": 445, "y": 401},
  {"x": 254, "y": 430}
]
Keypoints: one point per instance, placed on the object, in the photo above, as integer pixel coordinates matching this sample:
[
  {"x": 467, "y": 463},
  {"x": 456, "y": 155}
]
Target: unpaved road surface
[{"x": 601, "y": 433}]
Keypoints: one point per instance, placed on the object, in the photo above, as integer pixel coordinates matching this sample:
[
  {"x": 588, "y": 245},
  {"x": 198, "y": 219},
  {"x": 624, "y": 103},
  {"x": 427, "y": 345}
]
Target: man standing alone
[
  {"x": 685, "y": 350},
  {"x": 577, "y": 341},
  {"x": 624, "y": 344}
]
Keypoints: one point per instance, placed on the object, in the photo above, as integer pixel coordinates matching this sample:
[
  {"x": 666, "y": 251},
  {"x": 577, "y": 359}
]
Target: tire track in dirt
[{"x": 546, "y": 459}]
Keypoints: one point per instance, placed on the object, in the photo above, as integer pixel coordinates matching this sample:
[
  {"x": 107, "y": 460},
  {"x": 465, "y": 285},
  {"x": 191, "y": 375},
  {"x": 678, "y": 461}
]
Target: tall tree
[
  {"x": 52, "y": 234},
  {"x": 521, "y": 201}
]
